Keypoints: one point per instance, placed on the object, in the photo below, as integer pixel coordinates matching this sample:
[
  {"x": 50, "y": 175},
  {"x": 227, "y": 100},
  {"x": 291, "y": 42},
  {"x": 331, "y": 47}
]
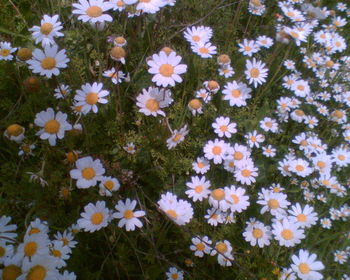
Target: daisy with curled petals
[
  {"x": 15, "y": 132},
  {"x": 54, "y": 125},
  {"x": 94, "y": 217},
  {"x": 108, "y": 185},
  {"x": 200, "y": 246},
  {"x": 287, "y": 233},
  {"x": 256, "y": 72},
  {"x": 166, "y": 69},
  {"x": 223, "y": 127},
  {"x": 204, "y": 50},
  {"x": 47, "y": 31},
  {"x": 88, "y": 172},
  {"x": 92, "y": 11},
  {"x": 198, "y": 34},
  {"x": 236, "y": 93},
  {"x": 60, "y": 252},
  {"x": 264, "y": 41},
  {"x": 306, "y": 266},
  {"x": 6, "y": 50},
  {"x": 177, "y": 137},
  {"x": 88, "y": 97},
  {"x": 49, "y": 61},
  {"x": 198, "y": 188},
  {"x": 217, "y": 199},
  {"x": 62, "y": 91},
  {"x": 152, "y": 100},
  {"x": 128, "y": 217},
  {"x": 214, "y": 216},
  {"x": 215, "y": 150},
  {"x": 257, "y": 234},
  {"x": 116, "y": 76},
  {"x": 224, "y": 251}
]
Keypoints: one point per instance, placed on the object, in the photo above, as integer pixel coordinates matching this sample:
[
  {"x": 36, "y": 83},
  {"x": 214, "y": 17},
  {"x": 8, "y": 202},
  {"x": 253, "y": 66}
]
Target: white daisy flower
[
  {"x": 304, "y": 217},
  {"x": 88, "y": 172},
  {"x": 198, "y": 188},
  {"x": 60, "y": 252},
  {"x": 257, "y": 234},
  {"x": 256, "y": 72},
  {"x": 6, "y": 50},
  {"x": 166, "y": 69},
  {"x": 40, "y": 266},
  {"x": 127, "y": 216},
  {"x": 108, "y": 185},
  {"x": 34, "y": 245},
  {"x": 214, "y": 216},
  {"x": 62, "y": 91},
  {"x": 223, "y": 127},
  {"x": 116, "y": 76},
  {"x": 47, "y": 31},
  {"x": 89, "y": 95},
  {"x": 201, "y": 246},
  {"x": 287, "y": 233},
  {"x": 236, "y": 93},
  {"x": 248, "y": 47},
  {"x": 92, "y": 11},
  {"x": 215, "y": 150},
  {"x": 174, "y": 273},
  {"x": 196, "y": 35},
  {"x": 204, "y": 50},
  {"x": 152, "y": 100},
  {"x": 268, "y": 124},
  {"x": 226, "y": 71},
  {"x": 195, "y": 106},
  {"x": 67, "y": 238},
  {"x": 149, "y": 6},
  {"x": 201, "y": 165},
  {"x": 177, "y": 137},
  {"x": 246, "y": 173},
  {"x": 275, "y": 203},
  {"x": 306, "y": 266},
  {"x": 237, "y": 199},
  {"x": 6, "y": 229},
  {"x": 130, "y": 148},
  {"x": 94, "y": 217},
  {"x": 49, "y": 61},
  {"x": 54, "y": 125},
  {"x": 269, "y": 151},
  {"x": 223, "y": 249},
  {"x": 264, "y": 41}
]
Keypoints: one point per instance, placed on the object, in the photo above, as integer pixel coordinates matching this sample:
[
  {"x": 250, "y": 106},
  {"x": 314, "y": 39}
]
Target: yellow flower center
[
  {"x": 96, "y": 218},
  {"x": 299, "y": 113},
  {"x": 52, "y": 126},
  {"x": 34, "y": 231},
  {"x": 257, "y": 233},
  {"x": 287, "y": 234},
  {"x": 48, "y": 63},
  {"x": 14, "y": 130},
  {"x": 11, "y": 272},
  {"x": 321, "y": 164},
  {"x": 253, "y": 139},
  {"x": 213, "y": 85},
  {"x": 37, "y": 272},
  {"x": 338, "y": 114},
  {"x": 300, "y": 87},
  {"x": 88, "y": 173},
  {"x": 177, "y": 137},
  {"x": 201, "y": 165},
  {"x": 221, "y": 247},
  {"x": 246, "y": 173},
  {"x": 247, "y": 48},
  {"x": 269, "y": 124},
  {"x": 196, "y": 38},
  {"x": 152, "y": 105},
  {"x": 118, "y": 52},
  {"x": 171, "y": 213},
  {"x": 235, "y": 198},
  {"x": 238, "y": 155},
  {"x": 166, "y": 70},
  {"x": 302, "y": 218},
  {"x": 254, "y": 73},
  {"x": 46, "y": 28},
  {"x": 174, "y": 275},
  {"x": 56, "y": 253},
  {"x": 290, "y": 14},
  {"x": 195, "y": 104},
  {"x": 273, "y": 203},
  {"x": 299, "y": 168},
  {"x": 65, "y": 241},
  {"x": 218, "y": 194},
  {"x": 120, "y": 3},
  {"x": 30, "y": 249},
  {"x": 341, "y": 157},
  {"x": 24, "y": 54},
  {"x": 304, "y": 268},
  {"x": 223, "y": 128},
  {"x": 91, "y": 98},
  {"x": 235, "y": 93},
  {"x": 108, "y": 185},
  {"x": 128, "y": 214},
  {"x": 200, "y": 246},
  {"x": 224, "y": 58},
  {"x": 4, "y": 52},
  {"x": 294, "y": 34},
  {"x": 203, "y": 50},
  {"x": 198, "y": 189},
  {"x": 216, "y": 150},
  {"x": 119, "y": 40},
  {"x": 94, "y": 11}
]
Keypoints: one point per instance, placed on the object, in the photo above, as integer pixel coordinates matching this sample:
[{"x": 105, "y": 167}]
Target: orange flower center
[
  {"x": 94, "y": 11},
  {"x": 48, "y": 63},
  {"x": 52, "y": 126},
  {"x": 166, "y": 70}
]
